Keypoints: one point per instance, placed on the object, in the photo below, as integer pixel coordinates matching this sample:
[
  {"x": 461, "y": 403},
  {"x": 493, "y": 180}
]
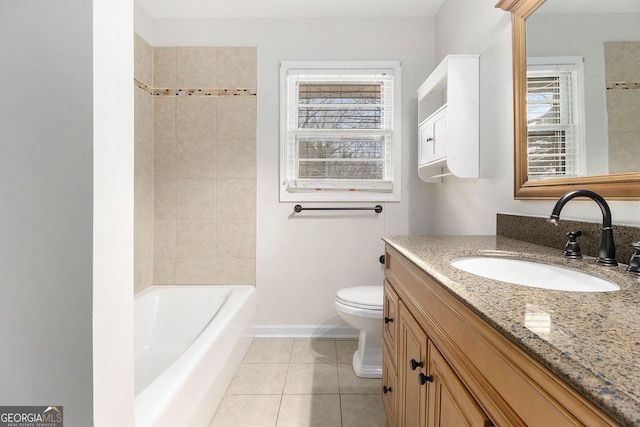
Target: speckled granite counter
[{"x": 590, "y": 340}]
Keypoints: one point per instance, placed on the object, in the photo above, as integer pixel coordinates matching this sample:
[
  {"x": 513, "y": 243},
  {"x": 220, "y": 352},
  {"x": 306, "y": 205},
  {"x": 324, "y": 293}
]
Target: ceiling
[{"x": 290, "y": 8}]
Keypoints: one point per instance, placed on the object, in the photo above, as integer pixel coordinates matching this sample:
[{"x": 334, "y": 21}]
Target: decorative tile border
[
  {"x": 194, "y": 91},
  {"x": 623, "y": 86}
]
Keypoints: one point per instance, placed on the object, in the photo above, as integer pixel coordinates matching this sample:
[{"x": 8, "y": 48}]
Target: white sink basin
[{"x": 533, "y": 274}]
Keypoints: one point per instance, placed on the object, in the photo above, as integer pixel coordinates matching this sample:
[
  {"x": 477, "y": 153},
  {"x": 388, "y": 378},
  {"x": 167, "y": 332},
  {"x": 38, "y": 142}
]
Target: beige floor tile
[
  {"x": 345, "y": 350},
  {"x": 269, "y": 351},
  {"x": 350, "y": 383},
  {"x": 259, "y": 378},
  {"x": 312, "y": 378},
  {"x": 362, "y": 410},
  {"x": 317, "y": 410},
  {"x": 314, "y": 351},
  {"x": 253, "y": 411}
]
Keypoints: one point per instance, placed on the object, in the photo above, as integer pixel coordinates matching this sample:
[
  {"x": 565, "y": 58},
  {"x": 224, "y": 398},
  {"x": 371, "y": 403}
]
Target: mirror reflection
[{"x": 583, "y": 89}]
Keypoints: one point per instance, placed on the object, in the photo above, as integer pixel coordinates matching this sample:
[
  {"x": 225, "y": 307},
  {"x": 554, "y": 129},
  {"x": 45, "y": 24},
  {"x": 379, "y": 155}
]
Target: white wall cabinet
[{"x": 449, "y": 116}]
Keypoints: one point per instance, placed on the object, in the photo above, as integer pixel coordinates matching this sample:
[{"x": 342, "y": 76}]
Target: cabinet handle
[
  {"x": 429, "y": 139},
  {"x": 386, "y": 389},
  {"x": 388, "y": 320},
  {"x": 415, "y": 364},
  {"x": 422, "y": 378}
]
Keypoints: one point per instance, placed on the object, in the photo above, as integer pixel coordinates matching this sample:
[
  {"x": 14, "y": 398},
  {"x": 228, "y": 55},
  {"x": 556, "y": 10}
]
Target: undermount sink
[{"x": 533, "y": 274}]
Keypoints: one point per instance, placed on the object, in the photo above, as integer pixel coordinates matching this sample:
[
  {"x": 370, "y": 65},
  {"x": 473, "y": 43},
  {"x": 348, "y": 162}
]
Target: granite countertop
[{"x": 589, "y": 339}]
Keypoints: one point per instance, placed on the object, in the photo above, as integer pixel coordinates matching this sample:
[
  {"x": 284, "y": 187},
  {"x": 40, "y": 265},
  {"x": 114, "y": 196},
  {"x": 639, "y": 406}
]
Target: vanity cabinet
[{"x": 447, "y": 367}]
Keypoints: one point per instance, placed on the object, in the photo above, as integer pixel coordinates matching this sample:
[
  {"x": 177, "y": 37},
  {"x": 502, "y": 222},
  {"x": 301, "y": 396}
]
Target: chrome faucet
[{"x": 607, "y": 249}]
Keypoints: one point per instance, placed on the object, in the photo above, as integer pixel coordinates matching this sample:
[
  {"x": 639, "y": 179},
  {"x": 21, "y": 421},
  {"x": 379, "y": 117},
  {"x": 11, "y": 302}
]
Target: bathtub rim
[{"x": 155, "y": 405}]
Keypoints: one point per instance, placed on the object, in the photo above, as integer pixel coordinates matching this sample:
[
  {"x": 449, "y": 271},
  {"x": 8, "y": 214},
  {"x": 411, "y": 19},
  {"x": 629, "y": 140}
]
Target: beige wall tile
[
  {"x": 623, "y": 107},
  {"x": 624, "y": 152},
  {"x": 236, "y": 158},
  {"x": 164, "y": 271},
  {"x": 196, "y": 158},
  {"x": 239, "y": 271},
  {"x": 196, "y": 67},
  {"x": 196, "y": 117},
  {"x": 196, "y": 238},
  {"x": 236, "y": 238},
  {"x": 196, "y": 198},
  {"x": 622, "y": 61},
  {"x": 143, "y": 134},
  {"x": 164, "y": 117},
  {"x": 143, "y": 60},
  {"x": 164, "y": 157},
  {"x": 165, "y": 200},
  {"x": 164, "y": 238},
  {"x": 236, "y": 117},
  {"x": 236, "y": 198},
  {"x": 164, "y": 67},
  {"x": 195, "y": 271},
  {"x": 236, "y": 67}
]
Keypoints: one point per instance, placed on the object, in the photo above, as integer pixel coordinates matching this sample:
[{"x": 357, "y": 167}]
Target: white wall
[
  {"x": 470, "y": 206},
  {"x": 46, "y": 206},
  {"x": 302, "y": 260},
  {"x": 113, "y": 118}
]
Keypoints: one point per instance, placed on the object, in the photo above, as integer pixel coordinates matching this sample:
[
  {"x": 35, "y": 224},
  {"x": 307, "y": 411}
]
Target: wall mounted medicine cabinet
[{"x": 448, "y": 113}]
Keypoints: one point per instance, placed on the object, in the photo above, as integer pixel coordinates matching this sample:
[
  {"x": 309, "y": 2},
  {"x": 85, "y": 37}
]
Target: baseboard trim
[{"x": 305, "y": 331}]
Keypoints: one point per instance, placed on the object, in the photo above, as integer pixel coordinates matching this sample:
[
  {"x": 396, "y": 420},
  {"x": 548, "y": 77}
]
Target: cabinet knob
[
  {"x": 422, "y": 378},
  {"x": 388, "y": 320},
  {"x": 414, "y": 364},
  {"x": 386, "y": 389}
]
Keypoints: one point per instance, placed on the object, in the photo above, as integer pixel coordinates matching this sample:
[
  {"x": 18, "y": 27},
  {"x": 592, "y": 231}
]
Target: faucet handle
[
  {"x": 572, "y": 248},
  {"x": 634, "y": 262}
]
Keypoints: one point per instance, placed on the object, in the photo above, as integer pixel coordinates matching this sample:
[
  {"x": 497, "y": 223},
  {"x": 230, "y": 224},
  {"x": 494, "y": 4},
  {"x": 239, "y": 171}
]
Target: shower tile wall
[
  {"x": 622, "y": 71},
  {"x": 143, "y": 168},
  {"x": 203, "y": 165}
]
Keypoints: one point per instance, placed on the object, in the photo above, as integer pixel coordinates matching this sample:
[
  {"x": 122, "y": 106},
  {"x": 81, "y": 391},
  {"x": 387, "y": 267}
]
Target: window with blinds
[
  {"x": 555, "y": 142},
  {"x": 339, "y": 133}
]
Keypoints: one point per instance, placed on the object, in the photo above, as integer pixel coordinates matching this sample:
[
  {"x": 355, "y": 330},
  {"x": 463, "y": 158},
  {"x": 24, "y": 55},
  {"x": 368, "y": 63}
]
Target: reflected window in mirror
[{"x": 555, "y": 106}]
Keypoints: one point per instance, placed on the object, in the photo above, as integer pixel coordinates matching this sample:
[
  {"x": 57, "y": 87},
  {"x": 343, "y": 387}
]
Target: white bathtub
[{"x": 189, "y": 342}]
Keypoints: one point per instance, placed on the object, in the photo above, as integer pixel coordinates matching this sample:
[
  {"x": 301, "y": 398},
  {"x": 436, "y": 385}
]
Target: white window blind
[
  {"x": 339, "y": 132},
  {"x": 555, "y": 144}
]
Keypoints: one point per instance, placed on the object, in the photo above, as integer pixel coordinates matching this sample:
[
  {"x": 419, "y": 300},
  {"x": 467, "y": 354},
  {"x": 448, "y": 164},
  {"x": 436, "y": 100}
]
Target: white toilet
[{"x": 361, "y": 307}]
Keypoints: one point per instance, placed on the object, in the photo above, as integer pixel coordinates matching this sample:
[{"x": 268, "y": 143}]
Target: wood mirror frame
[{"x": 617, "y": 186}]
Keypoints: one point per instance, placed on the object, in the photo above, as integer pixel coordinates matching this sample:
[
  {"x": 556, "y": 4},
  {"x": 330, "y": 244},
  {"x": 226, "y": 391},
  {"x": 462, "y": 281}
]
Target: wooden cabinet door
[
  {"x": 412, "y": 360},
  {"x": 450, "y": 403},
  {"x": 390, "y": 326},
  {"x": 389, "y": 388}
]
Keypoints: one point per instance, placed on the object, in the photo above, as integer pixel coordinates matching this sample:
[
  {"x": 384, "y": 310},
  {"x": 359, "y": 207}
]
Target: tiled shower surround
[
  {"x": 622, "y": 71},
  {"x": 195, "y": 167}
]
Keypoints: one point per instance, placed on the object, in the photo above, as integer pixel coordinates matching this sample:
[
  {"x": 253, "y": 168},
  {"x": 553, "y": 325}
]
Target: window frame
[
  {"x": 336, "y": 190},
  {"x": 547, "y": 67}
]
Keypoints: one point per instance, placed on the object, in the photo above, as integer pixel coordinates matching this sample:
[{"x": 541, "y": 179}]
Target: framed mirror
[{"x": 607, "y": 158}]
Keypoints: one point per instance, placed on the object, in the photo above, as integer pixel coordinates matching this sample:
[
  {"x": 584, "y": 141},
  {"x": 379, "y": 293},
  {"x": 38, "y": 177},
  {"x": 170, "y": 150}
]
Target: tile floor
[{"x": 300, "y": 383}]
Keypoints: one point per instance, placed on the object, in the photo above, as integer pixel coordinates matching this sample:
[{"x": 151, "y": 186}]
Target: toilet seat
[{"x": 365, "y": 297}]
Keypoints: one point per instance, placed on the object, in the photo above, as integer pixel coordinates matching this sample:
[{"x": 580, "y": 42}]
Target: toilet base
[{"x": 367, "y": 359}]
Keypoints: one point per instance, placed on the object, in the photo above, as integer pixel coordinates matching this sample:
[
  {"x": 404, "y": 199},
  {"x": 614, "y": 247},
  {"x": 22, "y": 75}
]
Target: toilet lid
[{"x": 369, "y": 297}]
